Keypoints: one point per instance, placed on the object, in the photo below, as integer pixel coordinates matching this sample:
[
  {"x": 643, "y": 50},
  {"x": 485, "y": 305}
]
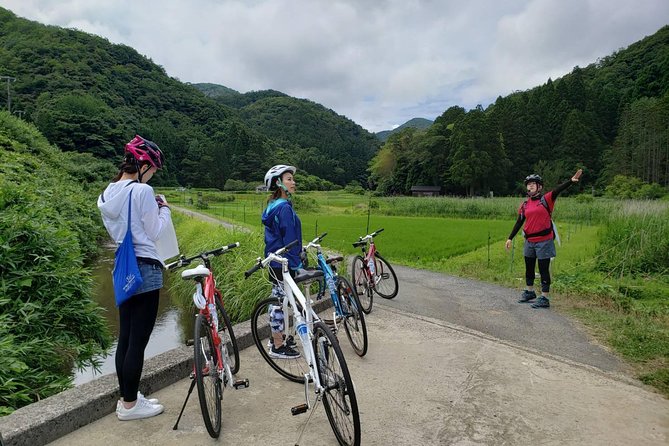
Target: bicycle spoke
[
  {"x": 338, "y": 394},
  {"x": 292, "y": 369},
  {"x": 361, "y": 285},
  {"x": 354, "y": 320},
  {"x": 207, "y": 376}
]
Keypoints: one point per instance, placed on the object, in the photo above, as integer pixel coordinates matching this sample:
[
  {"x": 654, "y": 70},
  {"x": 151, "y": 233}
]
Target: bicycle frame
[
  {"x": 320, "y": 350},
  {"x": 294, "y": 295},
  {"x": 369, "y": 255},
  {"x": 209, "y": 311},
  {"x": 206, "y": 304},
  {"x": 328, "y": 275}
]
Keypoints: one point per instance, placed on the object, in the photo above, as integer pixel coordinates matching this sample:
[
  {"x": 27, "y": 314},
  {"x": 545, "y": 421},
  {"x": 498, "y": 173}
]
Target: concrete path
[
  {"x": 494, "y": 310},
  {"x": 424, "y": 382}
]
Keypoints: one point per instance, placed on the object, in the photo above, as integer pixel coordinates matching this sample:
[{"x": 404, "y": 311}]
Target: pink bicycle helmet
[{"x": 145, "y": 150}]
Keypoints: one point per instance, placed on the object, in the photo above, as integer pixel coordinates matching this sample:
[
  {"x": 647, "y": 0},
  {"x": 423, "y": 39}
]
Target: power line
[{"x": 9, "y": 94}]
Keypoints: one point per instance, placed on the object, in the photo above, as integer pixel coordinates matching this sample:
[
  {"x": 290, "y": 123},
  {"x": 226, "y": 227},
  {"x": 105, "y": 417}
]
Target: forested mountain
[
  {"x": 318, "y": 139},
  {"x": 88, "y": 95},
  {"x": 415, "y": 123},
  {"x": 611, "y": 118}
]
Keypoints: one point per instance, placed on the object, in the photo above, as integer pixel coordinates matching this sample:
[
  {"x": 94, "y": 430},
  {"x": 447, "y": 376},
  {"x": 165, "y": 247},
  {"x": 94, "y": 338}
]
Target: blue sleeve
[{"x": 291, "y": 229}]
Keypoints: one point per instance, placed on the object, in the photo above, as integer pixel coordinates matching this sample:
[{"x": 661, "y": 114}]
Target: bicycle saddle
[
  {"x": 331, "y": 259},
  {"x": 308, "y": 274},
  {"x": 193, "y": 273}
]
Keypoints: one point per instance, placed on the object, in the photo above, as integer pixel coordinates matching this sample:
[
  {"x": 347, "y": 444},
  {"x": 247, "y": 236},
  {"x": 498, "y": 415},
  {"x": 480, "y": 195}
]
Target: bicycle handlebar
[
  {"x": 183, "y": 261},
  {"x": 315, "y": 242},
  {"x": 255, "y": 268},
  {"x": 260, "y": 260},
  {"x": 363, "y": 240}
]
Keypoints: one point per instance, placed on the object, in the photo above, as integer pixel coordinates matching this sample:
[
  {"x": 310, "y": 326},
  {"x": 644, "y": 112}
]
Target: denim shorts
[
  {"x": 539, "y": 250},
  {"x": 152, "y": 275}
]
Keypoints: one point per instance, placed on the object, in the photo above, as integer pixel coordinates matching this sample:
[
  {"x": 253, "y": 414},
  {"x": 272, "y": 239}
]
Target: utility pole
[{"x": 9, "y": 94}]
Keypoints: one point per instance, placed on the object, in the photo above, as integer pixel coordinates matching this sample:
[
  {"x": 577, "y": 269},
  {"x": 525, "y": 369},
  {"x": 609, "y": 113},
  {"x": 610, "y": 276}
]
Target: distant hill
[
  {"x": 316, "y": 138},
  {"x": 233, "y": 98},
  {"x": 215, "y": 90},
  {"x": 88, "y": 95},
  {"x": 416, "y": 123}
]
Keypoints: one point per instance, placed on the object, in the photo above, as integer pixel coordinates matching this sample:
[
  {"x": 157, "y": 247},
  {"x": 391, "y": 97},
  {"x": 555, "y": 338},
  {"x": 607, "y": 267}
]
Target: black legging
[
  {"x": 137, "y": 316},
  {"x": 544, "y": 272}
]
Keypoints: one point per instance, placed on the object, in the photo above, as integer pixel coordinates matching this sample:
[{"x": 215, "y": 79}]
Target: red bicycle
[
  {"x": 372, "y": 273},
  {"x": 216, "y": 355}
]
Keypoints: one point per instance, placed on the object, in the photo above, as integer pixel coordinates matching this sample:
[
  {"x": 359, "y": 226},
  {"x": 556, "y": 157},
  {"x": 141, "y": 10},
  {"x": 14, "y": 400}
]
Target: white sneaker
[
  {"x": 150, "y": 400},
  {"x": 139, "y": 396},
  {"x": 142, "y": 409}
]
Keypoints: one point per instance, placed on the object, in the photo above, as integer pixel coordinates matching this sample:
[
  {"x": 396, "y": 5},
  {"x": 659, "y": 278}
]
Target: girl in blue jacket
[{"x": 282, "y": 226}]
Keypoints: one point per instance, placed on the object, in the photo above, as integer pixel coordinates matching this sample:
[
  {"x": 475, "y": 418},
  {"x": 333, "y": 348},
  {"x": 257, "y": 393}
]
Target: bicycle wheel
[
  {"x": 386, "y": 279},
  {"x": 361, "y": 284},
  {"x": 295, "y": 368},
  {"x": 341, "y": 405},
  {"x": 353, "y": 317},
  {"x": 209, "y": 389},
  {"x": 227, "y": 335}
]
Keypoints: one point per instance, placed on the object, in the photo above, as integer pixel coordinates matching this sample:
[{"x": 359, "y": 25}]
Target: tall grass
[
  {"x": 635, "y": 241},
  {"x": 239, "y": 295}
]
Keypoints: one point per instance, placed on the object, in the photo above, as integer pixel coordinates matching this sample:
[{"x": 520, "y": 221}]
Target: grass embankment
[
  {"x": 610, "y": 272},
  {"x": 48, "y": 227}
]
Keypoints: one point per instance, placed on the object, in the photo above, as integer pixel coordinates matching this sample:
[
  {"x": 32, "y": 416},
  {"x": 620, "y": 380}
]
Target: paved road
[
  {"x": 423, "y": 382},
  {"x": 494, "y": 310}
]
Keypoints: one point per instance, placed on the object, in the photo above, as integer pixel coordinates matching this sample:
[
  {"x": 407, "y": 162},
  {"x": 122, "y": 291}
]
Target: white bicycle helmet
[{"x": 274, "y": 173}]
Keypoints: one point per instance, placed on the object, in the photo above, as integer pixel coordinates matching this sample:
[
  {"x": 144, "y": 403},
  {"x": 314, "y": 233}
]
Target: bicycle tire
[
  {"x": 227, "y": 335},
  {"x": 354, "y": 317},
  {"x": 361, "y": 284},
  {"x": 209, "y": 389},
  {"x": 292, "y": 369},
  {"x": 386, "y": 286},
  {"x": 339, "y": 400}
]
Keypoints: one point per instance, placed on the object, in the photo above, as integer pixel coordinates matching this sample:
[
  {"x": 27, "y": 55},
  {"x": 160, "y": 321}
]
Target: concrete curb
[{"x": 47, "y": 420}]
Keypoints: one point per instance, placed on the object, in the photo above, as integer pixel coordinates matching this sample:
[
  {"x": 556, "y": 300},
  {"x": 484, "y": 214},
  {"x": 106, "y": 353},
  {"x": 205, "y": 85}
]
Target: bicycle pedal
[
  {"x": 302, "y": 408},
  {"x": 241, "y": 384},
  {"x": 190, "y": 342}
]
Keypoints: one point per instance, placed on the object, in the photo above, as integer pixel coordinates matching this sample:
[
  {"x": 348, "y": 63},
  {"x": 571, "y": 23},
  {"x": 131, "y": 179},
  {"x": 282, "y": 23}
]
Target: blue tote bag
[{"x": 127, "y": 278}]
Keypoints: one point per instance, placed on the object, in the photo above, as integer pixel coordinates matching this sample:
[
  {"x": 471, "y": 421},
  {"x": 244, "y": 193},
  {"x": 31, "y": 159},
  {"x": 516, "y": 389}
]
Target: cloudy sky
[{"x": 377, "y": 62}]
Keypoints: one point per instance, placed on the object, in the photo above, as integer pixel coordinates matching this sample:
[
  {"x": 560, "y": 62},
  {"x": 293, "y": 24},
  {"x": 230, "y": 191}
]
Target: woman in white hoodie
[{"x": 137, "y": 315}]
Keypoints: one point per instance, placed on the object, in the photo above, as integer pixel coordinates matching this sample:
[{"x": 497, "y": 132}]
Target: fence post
[{"x": 488, "y": 249}]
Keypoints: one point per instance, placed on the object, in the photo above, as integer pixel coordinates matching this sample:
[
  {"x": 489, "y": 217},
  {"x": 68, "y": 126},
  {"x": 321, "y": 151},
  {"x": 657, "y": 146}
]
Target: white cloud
[{"x": 379, "y": 63}]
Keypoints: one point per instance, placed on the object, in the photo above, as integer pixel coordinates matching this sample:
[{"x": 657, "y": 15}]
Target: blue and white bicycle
[{"x": 347, "y": 308}]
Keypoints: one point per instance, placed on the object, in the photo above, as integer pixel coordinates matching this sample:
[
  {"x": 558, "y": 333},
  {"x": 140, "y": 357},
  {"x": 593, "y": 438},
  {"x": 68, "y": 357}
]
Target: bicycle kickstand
[
  {"x": 190, "y": 390},
  {"x": 297, "y": 443}
]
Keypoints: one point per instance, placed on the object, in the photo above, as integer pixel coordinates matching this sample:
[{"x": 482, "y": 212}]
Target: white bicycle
[{"x": 321, "y": 362}]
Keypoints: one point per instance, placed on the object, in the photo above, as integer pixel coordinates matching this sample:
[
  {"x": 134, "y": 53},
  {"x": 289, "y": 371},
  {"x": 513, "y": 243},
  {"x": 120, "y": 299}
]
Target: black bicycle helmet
[{"x": 534, "y": 178}]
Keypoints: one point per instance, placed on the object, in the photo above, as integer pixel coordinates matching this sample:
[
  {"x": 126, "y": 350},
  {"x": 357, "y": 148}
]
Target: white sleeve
[{"x": 154, "y": 219}]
